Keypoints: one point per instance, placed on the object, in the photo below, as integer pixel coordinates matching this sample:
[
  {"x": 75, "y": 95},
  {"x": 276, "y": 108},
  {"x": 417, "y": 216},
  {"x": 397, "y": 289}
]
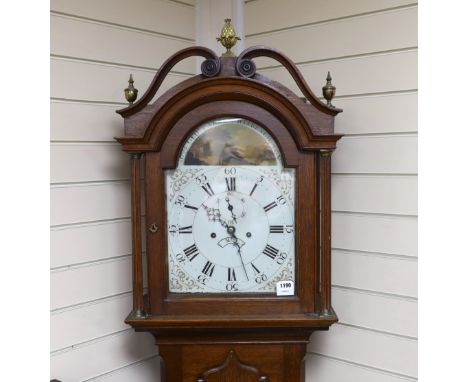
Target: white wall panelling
[
  {"x": 90, "y": 321},
  {"x": 98, "y": 201},
  {"x": 78, "y": 121},
  {"x": 88, "y": 162},
  {"x": 90, "y": 282},
  {"x": 395, "y": 154},
  {"x": 375, "y": 233},
  {"x": 267, "y": 15},
  {"x": 375, "y": 193},
  {"x": 101, "y": 42},
  {"x": 375, "y": 272},
  {"x": 369, "y": 348},
  {"x": 190, "y": 3},
  {"x": 141, "y": 371},
  {"x": 368, "y": 74},
  {"x": 148, "y": 15},
  {"x": 103, "y": 355},
  {"x": 364, "y": 114},
  {"x": 332, "y": 39},
  {"x": 98, "y": 219},
  {"x": 95, "y": 82},
  {"x": 390, "y": 314},
  {"x": 97, "y": 241},
  {"x": 326, "y": 369}
]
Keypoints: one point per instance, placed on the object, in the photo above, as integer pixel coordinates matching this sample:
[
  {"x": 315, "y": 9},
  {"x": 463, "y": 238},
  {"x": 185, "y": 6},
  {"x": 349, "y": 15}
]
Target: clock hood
[{"x": 309, "y": 121}]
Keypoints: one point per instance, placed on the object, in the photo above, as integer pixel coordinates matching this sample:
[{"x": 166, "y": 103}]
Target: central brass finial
[{"x": 228, "y": 38}]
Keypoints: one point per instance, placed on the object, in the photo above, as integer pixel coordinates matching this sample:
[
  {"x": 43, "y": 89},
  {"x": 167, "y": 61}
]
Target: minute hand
[{"x": 231, "y": 232}]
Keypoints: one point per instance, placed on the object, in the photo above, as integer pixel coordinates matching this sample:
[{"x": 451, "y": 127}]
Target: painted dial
[{"x": 230, "y": 228}]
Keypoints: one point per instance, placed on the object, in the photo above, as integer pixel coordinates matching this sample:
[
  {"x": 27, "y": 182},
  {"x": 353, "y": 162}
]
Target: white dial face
[{"x": 230, "y": 228}]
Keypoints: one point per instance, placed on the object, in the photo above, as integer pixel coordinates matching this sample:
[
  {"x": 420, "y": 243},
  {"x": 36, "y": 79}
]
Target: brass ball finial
[
  {"x": 131, "y": 92},
  {"x": 228, "y": 38},
  {"x": 329, "y": 90}
]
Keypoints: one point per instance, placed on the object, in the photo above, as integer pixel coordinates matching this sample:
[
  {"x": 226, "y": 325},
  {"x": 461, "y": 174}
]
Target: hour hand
[
  {"x": 231, "y": 208},
  {"x": 214, "y": 215}
]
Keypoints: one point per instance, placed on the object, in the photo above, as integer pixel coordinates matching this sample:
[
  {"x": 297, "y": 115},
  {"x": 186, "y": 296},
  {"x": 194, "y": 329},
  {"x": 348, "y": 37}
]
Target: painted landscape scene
[{"x": 230, "y": 145}]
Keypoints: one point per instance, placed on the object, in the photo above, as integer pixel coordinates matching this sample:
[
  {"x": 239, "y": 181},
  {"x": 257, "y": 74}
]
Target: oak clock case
[{"x": 236, "y": 198}]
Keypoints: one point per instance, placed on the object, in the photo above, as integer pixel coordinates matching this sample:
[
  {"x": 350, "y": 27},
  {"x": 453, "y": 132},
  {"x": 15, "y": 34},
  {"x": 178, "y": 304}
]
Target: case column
[
  {"x": 325, "y": 232},
  {"x": 138, "y": 307}
]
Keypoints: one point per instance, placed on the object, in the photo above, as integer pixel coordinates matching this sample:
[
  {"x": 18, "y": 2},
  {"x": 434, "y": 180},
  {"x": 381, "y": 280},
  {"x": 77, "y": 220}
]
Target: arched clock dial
[{"x": 230, "y": 227}]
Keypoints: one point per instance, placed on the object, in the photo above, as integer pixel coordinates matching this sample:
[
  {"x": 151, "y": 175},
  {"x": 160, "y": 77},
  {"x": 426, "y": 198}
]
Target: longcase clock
[{"x": 236, "y": 209}]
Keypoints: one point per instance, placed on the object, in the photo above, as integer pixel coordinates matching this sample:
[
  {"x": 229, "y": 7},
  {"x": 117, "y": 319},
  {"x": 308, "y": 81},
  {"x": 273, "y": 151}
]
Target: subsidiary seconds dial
[{"x": 231, "y": 229}]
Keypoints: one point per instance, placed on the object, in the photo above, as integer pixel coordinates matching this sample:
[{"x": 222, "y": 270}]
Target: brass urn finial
[
  {"x": 329, "y": 90},
  {"x": 228, "y": 38},
  {"x": 131, "y": 93}
]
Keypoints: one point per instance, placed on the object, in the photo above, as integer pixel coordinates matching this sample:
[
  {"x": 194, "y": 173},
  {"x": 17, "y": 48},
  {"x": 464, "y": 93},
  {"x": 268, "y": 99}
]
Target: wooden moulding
[{"x": 179, "y": 323}]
